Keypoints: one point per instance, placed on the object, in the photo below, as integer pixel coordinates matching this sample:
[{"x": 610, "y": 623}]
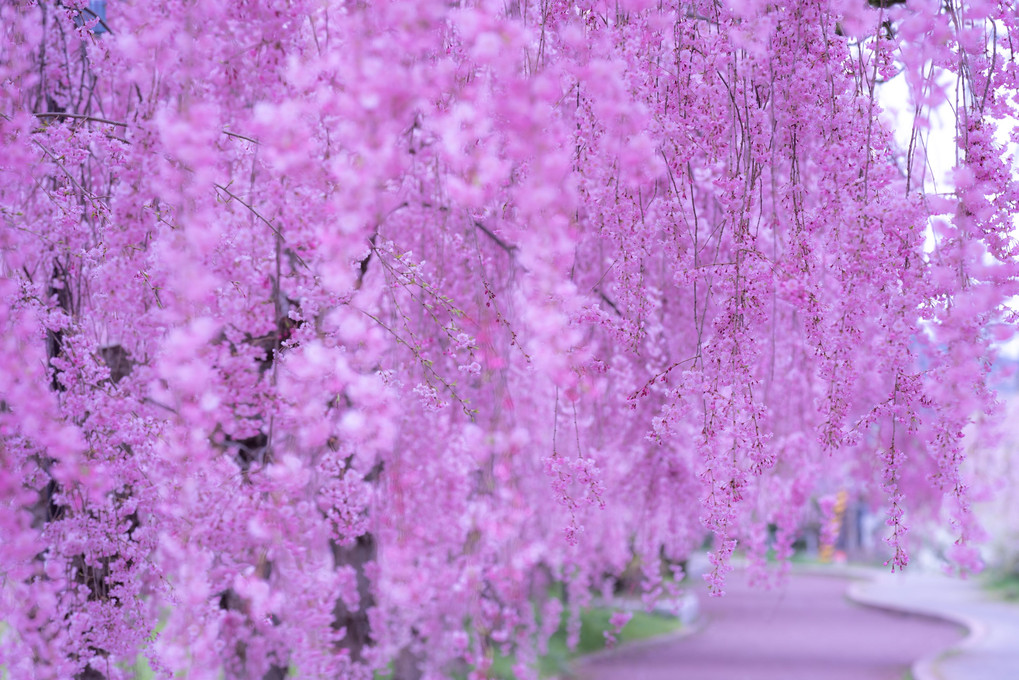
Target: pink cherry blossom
[{"x": 336, "y": 336}]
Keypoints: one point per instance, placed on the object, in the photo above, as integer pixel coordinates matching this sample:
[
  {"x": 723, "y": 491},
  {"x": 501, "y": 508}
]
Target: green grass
[
  {"x": 1004, "y": 585},
  {"x": 594, "y": 622}
]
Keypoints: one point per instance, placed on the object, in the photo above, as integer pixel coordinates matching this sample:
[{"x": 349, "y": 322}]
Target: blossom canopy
[{"x": 335, "y": 333}]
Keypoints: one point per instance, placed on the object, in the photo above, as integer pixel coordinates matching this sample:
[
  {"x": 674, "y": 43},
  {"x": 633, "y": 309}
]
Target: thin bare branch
[{"x": 79, "y": 116}]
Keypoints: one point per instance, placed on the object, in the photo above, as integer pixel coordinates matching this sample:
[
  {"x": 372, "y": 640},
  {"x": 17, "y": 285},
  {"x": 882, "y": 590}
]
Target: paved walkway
[
  {"x": 989, "y": 652},
  {"x": 806, "y": 630}
]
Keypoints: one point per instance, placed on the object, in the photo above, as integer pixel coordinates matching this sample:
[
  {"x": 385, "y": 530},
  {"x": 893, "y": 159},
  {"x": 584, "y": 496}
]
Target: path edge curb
[{"x": 924, "y": 668}]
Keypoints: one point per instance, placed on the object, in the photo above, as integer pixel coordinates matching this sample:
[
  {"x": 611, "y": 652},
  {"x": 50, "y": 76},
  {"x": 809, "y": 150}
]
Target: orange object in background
[{"x": 829, "y": 538}]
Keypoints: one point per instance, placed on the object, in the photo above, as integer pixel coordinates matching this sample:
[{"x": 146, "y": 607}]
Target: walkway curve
[
  {"x": 804, "y": 630},
  {"x": 990, "y": 650}
]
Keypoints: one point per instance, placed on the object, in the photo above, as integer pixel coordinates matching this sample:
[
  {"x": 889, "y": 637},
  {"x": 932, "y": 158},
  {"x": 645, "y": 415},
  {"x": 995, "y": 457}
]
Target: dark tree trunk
[{"x": 359, "y": 555}]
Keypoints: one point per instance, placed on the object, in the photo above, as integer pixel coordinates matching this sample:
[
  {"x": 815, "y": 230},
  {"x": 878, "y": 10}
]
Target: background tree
[{"x": 334, "y": 331}]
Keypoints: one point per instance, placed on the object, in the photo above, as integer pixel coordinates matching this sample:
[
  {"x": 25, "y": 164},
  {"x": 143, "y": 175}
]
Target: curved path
[
  {"x": 991, "y": 652},
  {"x": 805, "y": 630}
]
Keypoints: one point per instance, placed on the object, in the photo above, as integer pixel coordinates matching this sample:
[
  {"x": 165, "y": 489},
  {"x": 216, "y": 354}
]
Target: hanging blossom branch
[{"x": 680, "y": 232}]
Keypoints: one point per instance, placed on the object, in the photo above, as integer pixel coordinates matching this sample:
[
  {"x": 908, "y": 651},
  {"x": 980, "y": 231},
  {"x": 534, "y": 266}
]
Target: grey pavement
[{"x": 990, "y": 651}]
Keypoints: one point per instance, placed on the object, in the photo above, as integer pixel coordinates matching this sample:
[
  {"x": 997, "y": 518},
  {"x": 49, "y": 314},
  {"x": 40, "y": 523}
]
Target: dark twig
[
  {"x": 79, "y": 116},
  {"x": 240, "y": 136},
  {"x": 498, "y": 241},
  {"x": 609, "y": 302},
  {"x": 257, "y": 214}
]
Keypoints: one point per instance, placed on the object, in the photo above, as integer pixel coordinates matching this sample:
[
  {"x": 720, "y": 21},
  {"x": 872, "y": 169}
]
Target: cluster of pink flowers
[{"x": 335, "y": 334}]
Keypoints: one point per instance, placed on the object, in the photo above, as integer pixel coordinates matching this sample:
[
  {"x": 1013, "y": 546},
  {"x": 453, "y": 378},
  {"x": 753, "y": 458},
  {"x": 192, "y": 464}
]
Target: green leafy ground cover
[
  {"x": 1004, "y": 585},
  {"x": 594, "y": 622}
]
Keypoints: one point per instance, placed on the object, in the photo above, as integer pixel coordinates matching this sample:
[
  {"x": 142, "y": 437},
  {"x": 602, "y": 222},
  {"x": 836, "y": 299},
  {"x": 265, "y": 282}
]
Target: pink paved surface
[{"x": 806, "y": 630}]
